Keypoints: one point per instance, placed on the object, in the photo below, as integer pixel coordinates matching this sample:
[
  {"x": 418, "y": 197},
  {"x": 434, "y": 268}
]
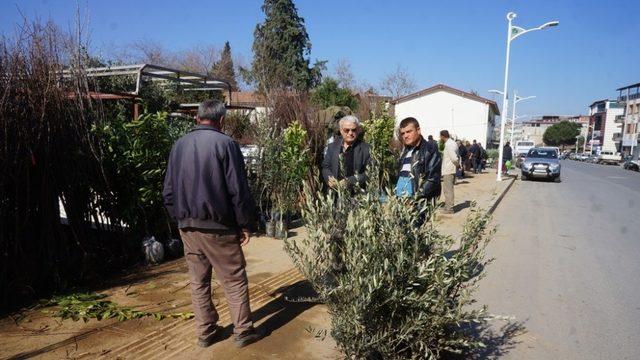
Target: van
[
  {"x": 609, "y": 157},
  {"x": 523, "y": 147}
]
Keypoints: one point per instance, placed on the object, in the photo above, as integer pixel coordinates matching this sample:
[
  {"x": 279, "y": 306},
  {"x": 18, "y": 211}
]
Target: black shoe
[
  {"x": 248, "y": 337},
  {"x": 215, "y": 336}
]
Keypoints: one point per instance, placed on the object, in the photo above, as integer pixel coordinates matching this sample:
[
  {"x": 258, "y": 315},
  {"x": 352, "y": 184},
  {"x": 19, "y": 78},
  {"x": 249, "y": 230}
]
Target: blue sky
[{"x": 460, "y": 43}]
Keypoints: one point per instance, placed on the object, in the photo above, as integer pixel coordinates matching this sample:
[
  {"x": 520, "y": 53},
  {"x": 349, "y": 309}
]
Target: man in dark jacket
[
  {"x": 346, "y": 159},
  {"x": 206, "y": 191},
  {"x": 462, "y": 151},
  {"x": 507, "y": 155},
  {"x": 419, "y": 166},
  {"x": 476, "y": 157}
]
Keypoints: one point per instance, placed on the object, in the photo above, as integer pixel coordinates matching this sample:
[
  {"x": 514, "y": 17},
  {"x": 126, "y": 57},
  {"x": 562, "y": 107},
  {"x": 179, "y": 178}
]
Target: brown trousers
[{"x": 202, "y": 250}]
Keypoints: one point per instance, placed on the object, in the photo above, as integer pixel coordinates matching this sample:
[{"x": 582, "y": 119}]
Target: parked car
[
  {"x": 542, "y": 163},
  {"x": 609, "y": 157},
  {"x": 582, "y": 157},
  {"x": 630, "y": 164},
  {"x": 594, "y": 159}
]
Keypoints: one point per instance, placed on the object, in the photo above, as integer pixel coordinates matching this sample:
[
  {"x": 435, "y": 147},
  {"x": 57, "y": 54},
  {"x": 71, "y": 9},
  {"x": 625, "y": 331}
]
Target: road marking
[{"x": 616, "y": 177}]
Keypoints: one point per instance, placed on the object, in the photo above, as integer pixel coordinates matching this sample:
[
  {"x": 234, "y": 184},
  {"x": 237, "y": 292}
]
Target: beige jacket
[{"x": 450, "y": 158}]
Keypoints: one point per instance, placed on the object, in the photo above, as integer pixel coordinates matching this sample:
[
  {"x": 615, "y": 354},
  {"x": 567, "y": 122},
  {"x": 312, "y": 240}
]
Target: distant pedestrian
[
  {"x": 483, "y": 157},
  {"x": 206, "y": 190},
  {"x": 507, "y": 155},
  {"x": 346, "y": 159},
  {"x": 467, "y": 161},
  {"x": 462, "y": 150},
  {"x": 450, "y": 163},
  {"x": 476, "y": 157},
  {"x": 419, "y": 165},
  {"x": 432, "y": 142}
]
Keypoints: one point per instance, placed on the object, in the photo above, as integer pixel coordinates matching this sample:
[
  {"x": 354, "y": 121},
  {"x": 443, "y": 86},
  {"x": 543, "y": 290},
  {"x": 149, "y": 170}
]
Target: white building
[
  {"x": 606, "y": 132},
  {"x": 630, "y": 98},
  {"x": 467, "y": 116}
]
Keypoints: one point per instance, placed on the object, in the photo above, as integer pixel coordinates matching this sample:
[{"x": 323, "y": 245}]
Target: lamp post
[
  {"x": 516, "y": 100},
  {"x": 513, "y": 32}
]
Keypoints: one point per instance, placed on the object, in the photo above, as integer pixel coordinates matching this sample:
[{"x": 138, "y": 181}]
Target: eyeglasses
[{"x": 350, "y": 130}]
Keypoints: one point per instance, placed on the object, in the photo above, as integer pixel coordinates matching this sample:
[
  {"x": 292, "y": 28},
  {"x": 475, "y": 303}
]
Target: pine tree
[
  {"x": 223, "y": 69},
  {"x": 281, "y": 48}
]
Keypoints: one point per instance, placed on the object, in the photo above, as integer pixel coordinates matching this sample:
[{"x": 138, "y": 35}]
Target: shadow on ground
[
  {"x": 280, "y": 311},
  {"x": 498, "y": 341},
  {"x": 462, "y": 206}
]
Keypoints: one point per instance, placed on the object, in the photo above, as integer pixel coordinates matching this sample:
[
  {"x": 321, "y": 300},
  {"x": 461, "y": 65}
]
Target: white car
[{"x": 609, "y": 157}]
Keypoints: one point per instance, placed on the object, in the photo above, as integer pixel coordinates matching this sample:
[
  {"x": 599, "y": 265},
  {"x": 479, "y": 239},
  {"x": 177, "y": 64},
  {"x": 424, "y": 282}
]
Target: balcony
[
  {"x": 620, "y": 119},
  {"x": 625, "y": 98},
  {"x": 617, "y": 137}
]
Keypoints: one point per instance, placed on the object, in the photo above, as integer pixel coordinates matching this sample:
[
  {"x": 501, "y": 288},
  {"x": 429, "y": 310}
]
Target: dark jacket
[
  {"x": 331, "y": 163},
  {"x": 506, "y": 153},
  {"x": 476, "y": 151},
  {"x": 206, "y": 183},
  {"x": 426, "y": 167},
  {"x": 462, "y": 151}
]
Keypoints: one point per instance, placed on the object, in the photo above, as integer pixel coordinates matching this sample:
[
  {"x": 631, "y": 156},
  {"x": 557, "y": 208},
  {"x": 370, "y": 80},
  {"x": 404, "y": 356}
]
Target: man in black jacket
[
  {"x": 206, "y": 191},
  {"x": 507, "y": 155},
  {"x": 476, "y": 157},
  {"x": 346, "y": 159},
  {"x": 462, "y": 151},
  {"x": 419, "y": 167}
]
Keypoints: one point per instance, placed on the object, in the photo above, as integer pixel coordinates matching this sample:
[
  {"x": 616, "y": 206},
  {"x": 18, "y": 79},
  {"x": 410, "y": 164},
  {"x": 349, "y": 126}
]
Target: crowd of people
[{"x": 206, "y": 191}]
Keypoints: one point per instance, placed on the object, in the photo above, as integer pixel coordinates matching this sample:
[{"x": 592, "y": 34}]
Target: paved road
[{"x": 568, "y": 264}]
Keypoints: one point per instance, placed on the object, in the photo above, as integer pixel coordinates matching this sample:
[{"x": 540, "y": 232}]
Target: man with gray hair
[
  {"x": 346, "y": 159},
  {"x": 206, "y": 191}
]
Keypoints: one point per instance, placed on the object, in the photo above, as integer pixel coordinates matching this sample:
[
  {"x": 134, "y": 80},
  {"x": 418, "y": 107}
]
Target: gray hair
[
  {"x": 212, "y": 110},
  {"x": 349, "y": 119}
]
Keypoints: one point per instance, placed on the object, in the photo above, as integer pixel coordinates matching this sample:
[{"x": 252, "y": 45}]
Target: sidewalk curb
[{"x": 504, "y": 192}]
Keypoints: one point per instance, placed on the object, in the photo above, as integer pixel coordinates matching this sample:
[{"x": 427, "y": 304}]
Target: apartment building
[{"x": 629, "y": 97}]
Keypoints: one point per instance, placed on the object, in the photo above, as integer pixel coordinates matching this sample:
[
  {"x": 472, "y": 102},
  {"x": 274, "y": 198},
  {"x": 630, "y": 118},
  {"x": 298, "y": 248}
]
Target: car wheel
[
  {"x": 557, "y": 179},
  {"x": 524, "y": 177}
]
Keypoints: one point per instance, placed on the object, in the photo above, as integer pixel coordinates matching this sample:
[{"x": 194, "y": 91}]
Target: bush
[
  {"x": 237, "y": 125},
  {"x": 392, "y": 284},
  {"x": 378, "y": 132},
  {"x": 135, "y": 158}
]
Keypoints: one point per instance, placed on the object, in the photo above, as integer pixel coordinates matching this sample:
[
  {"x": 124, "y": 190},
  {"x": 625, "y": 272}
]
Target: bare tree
[
  {"x": 344, "y": 74},
  {"x": 199, "y": 58},
  {"x": 151, "y": 52},
  {"x": 398, "y": 83}
]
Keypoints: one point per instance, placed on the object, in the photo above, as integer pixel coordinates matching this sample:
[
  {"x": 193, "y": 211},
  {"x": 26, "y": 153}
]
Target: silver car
[{"x": 541, "y": 163}]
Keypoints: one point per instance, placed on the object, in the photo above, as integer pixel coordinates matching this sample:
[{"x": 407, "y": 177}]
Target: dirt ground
[{"x": 295, "y": 330}]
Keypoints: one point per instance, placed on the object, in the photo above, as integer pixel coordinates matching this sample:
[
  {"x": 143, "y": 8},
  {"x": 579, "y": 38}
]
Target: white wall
[
  {"x": 464, "y": 118},
  {"x": 611, "y": 127}
]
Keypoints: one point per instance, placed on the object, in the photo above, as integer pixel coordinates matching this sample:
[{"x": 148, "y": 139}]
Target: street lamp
[
  {"x": 516, "y": 100},
  {"x": 513, "y": 32}
]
